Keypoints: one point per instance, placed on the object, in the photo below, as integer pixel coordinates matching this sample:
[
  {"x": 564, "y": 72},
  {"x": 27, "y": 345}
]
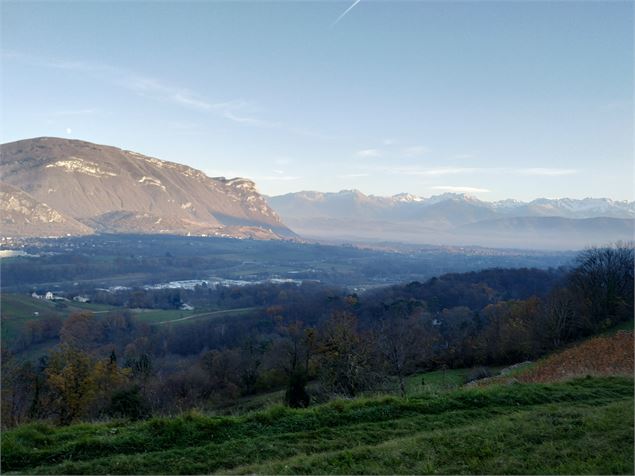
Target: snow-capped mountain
[{"x": 456, "y": 218}]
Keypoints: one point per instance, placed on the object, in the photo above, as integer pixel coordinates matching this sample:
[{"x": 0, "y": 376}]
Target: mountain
[
  {"x": 457, "y": 219},
  {"x": 77, "y": 187},
  {"x": 549, "y": 232},
  {"x": 569, "y": 208},
  {"x": 23, "y": 215}
]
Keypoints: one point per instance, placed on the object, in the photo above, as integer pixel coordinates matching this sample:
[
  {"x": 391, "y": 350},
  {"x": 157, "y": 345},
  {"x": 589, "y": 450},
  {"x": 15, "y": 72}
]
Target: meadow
[{"x": 584, "y": 426}]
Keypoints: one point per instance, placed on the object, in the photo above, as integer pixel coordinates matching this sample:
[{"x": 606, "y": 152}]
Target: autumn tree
[
  {"x": 510, "y": 329},
  {"x": 72, "y": 382},
  {"x": 108, "y": 378},
  {"x": 81, "y": 330},
  {"x": 222, "y": 368},
  {"x": 348, "y": 362}
]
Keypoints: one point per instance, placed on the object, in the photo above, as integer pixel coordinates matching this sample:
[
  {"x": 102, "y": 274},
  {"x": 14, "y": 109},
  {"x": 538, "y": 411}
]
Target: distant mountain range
[
  {"x": 57, "y": 187},
  {"x": 457, "y": 219}
]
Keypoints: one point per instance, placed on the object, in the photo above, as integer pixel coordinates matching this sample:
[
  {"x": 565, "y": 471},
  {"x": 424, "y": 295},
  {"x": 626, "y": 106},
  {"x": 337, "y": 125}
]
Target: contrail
[{"x": 345, "y": 12}]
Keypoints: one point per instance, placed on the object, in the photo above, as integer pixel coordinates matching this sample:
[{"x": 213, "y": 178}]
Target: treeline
[
  {"x": 314, "y": 341},
  {"x": 220, "y": 297}
]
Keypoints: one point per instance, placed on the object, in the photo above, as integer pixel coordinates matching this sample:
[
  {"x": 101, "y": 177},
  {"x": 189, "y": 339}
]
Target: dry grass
[{"x": 599, "y": 356}]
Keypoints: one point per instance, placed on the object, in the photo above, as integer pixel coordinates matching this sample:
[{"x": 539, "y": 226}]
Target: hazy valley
[
  {"x": 317, "y": 237},
  {"x": 457, "y": 219},
  {"x": 60, "y": 187}
]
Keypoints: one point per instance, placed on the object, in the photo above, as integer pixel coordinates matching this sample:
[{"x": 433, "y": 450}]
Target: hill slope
[
  {"x": 23, "y": 215},
  {"x": 579, "y": 427},
  {"x": 108, "y": 189}
]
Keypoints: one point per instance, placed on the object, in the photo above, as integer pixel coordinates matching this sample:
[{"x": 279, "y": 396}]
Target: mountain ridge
[
  {"x": 591, "y": 206},
  {"x": 109, "y": 189},
  {"x": 457, "y": 219}
]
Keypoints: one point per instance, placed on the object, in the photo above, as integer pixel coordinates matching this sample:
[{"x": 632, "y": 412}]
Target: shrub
[{"x": 128, "y": 403}]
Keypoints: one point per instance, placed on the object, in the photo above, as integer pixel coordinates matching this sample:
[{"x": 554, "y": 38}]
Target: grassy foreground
[{"x": 583, "y": 426}]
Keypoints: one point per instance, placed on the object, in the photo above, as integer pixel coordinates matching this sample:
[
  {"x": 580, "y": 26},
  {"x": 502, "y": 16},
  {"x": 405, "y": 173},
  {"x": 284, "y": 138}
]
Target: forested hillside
[{"x": 310, "y": 342}]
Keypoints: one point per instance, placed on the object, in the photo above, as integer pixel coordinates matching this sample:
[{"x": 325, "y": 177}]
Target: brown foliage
[{"x": 605, "y": 355}]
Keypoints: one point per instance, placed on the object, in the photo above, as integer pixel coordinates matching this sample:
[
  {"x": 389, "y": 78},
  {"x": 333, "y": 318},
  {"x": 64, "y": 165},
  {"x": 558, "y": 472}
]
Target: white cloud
[
  {"x": 463, "y": 156},
  {"x": 368, "y": 153},
  {"x": 460, "y": 189},
  {"x": 431, "y": 172},
  {"x": 417, "y": 170},
  {"x": 345, "y": 176},
  {"x": 445, "y": 171},
  {"x": 69, "y": 131},
  {"x": 415, "y": 151},
  {"x": 282, "y": 178},
  {"x": 74, "y": 112},
  {"x": 545, "y": 171},
  {"x": 235, "y": 110}
]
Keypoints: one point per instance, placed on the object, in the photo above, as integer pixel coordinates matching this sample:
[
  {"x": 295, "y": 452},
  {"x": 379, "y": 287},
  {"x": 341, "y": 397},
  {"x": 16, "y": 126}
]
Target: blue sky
[{"x": 501, "y": 100}]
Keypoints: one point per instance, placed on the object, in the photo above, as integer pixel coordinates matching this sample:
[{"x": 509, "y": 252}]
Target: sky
[{"x": 517, "y": 99}]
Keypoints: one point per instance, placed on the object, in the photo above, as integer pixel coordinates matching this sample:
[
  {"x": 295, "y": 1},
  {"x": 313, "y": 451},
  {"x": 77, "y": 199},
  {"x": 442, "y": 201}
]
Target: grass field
[
  {"x": 579, "y": 427},
  {"x": 439, "y": 380},
  {"x": 18, "y": 309}
]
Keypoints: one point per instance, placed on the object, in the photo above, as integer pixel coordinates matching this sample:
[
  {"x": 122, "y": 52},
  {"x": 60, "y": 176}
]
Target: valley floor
[{"x": 583, "y": 426}]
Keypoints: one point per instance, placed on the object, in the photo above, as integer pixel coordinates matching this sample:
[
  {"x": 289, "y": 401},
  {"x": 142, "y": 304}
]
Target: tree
[
  {"x": 348, "y": 363},
  {"x": 251, "y": 358},
  {"x": 222, "y": 369},
  {"x": 18, "y": 386},
  {"x": 559, "y": 317},
  {"x": 604, "y": 280},
  {"x": 141, "y": 368},
  {"x": 404, "y": 341},
  {"x": 108, "y": 378},
  {"x": 509, "y": 333},
  {"x": 128, "y": 403},
  {"x": 81, "y": 330},
  {"x": 71, "y": 379},
  {"x": 292, "y": 354}
]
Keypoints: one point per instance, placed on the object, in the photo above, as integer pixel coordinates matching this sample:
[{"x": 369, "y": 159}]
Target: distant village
[{"x": 49, "y": 296}]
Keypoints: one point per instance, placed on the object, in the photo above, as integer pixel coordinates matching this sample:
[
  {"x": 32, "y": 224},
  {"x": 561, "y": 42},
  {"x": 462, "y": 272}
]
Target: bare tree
[
  {"x": 604, "y": 279},
  {"x": 404, "y": 342},
  {"x": 348, "y": 360},
  {"x": 559, "y": 317}
]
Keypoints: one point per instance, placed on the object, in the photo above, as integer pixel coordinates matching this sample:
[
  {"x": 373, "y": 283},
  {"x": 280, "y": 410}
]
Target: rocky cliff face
[{"x": 98, "y": 188}]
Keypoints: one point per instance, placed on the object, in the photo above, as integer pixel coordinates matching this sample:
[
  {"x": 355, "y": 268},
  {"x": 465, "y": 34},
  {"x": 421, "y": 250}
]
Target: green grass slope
[{"x": 579, "y": 427}]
